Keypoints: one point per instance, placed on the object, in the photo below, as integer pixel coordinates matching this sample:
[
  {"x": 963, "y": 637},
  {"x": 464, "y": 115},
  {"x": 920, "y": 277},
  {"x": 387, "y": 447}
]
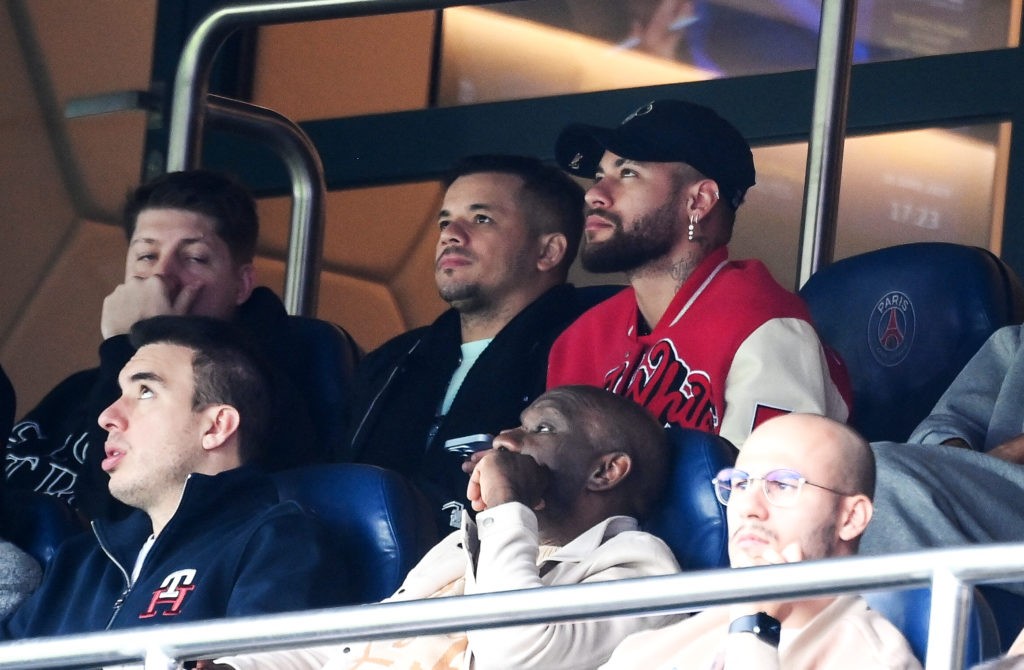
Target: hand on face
[
  {"x": 791, "y": 553},
  {"x": 755, "y": 544},
  {"x": 500, "y": 475},
  {"x": 140, "y": 298},
  {"x": 210, "y": 665}
]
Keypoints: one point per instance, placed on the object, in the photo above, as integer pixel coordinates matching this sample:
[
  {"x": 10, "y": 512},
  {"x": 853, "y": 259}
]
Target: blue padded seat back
[
  {"x": 322, "y": 366},
  {"x": 909, "y": 610},
  {"x": 1008, "y": 608},
  {"x": 905, "y": 320},
  {"x": 38, "y": 523},
  {"x": 689, "y": 517},
  {"x": 588, "y": 296},
  {"x": 8, "y": 403},
  {"x": 379, "y": 520}
]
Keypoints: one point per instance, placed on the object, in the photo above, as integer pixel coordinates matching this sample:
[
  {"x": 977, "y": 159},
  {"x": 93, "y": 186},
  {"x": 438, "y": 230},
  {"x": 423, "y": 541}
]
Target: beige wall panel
[
  {"x": 374, "y": 230},
  {"x": 108, "y": 150},
  {"x": 345, "y": 67},
  {"x": 97, "y": 46},
  {"x": 93, "y": 48},
  {"x": 413, "y": 284},
  {"x": 275, "y": 218},
  {"x": 379, "y": 250},
  {"x": 370, "y": 232},
  {"x": 37, "y": 213},
  {"x": 59, "y": 270},
  {"x": 366, "y": 310},
  {"x": 60, "y": 329}
]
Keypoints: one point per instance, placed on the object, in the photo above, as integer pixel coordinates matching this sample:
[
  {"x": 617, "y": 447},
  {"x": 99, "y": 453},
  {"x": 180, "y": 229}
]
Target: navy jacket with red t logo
[{"x": 231, "y": 549}]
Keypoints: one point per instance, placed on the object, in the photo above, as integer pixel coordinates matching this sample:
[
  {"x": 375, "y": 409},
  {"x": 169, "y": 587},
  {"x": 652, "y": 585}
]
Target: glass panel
[
  {"x": 545, "y": 47},
  {"x": 935, "y": 184}
]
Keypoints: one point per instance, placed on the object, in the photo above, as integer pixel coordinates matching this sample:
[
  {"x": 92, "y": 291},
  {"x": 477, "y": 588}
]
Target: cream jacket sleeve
[
  {"x": 507, "y": 559},
  {"x": 781, "y": 368}
]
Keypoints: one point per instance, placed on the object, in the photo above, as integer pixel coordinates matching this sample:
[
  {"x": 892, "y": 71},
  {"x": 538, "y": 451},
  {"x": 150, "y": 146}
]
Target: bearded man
[{"x": 698, "y": 339}]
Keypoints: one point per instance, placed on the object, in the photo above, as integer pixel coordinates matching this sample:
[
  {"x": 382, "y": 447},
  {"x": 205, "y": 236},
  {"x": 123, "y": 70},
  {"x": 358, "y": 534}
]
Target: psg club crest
[{"x": 891, "y": 329}]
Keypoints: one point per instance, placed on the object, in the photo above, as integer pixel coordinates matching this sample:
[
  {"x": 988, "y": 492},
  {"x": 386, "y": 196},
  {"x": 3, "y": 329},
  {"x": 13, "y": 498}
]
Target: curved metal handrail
[
  {"x": 828, "y": 135},
  {"x": 306, "y": 235},
  {"x": 187, "y": 114},
  {"x": 190, "y": 104},
  {"x": 948, "y": 571}
]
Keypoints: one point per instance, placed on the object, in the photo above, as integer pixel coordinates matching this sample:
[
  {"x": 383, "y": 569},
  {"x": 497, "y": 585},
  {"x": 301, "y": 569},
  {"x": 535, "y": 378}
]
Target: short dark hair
[
  {"x": 213, "y": 194},
  {"x": 226, "y": 369},
  {"x": 616, "y": 423},
  {"x": 862, "y": 470},
  {"x": 553, "y": 200}
]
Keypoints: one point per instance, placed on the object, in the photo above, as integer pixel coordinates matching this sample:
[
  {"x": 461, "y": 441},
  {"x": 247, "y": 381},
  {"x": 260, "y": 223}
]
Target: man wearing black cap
[{"x": 700, "y": 340}]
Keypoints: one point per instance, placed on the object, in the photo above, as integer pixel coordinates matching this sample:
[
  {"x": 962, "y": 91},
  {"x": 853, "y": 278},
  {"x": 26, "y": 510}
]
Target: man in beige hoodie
[
  {"x": 558, "y": 501},
  {"x": 801, "y": 490}
]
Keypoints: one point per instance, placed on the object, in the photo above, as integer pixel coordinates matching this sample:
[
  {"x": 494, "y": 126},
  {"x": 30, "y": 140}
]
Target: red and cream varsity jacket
[{"x": 733, "y": 349}]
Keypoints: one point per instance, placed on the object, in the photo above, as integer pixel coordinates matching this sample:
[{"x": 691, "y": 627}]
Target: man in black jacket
[
  {"x": 207, "y": 538},
  {"x": 509, "y": 230},
  {"x": 191, "y": 242}
]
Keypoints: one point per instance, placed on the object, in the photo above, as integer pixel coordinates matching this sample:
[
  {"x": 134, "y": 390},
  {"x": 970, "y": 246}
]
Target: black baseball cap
[{"x": 667, "y": 131}]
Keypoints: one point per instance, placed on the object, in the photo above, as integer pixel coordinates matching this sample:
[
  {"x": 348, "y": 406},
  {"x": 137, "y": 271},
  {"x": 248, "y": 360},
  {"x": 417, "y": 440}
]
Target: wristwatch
[{"x": 766, "y": 628}]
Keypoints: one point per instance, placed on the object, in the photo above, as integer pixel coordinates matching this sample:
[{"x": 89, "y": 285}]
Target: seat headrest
[
  {"x": 379, "y": 520},
  {"x": 321, "y": 366},
  {"x": 8, "y": 403},
  {"x": 689, "y": 517},
  {"x": 905, "y": 320},
  {"x": 37, "y": 523},
  {"x": 909, "y": 611}
]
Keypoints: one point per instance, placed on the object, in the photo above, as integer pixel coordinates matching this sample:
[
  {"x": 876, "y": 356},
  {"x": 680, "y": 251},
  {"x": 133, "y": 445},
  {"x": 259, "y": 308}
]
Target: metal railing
[
  {"x": 190, "y": 105},
  {"x": 950, "y": 573},
  {"x": 828, "y": 135},
  {"x": 306, "y": 235}
]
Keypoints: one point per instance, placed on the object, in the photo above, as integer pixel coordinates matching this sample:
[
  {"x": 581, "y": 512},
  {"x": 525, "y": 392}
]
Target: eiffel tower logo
[
  {"x": 892, "y": 337},
  {"x": 891, "y": 329}
]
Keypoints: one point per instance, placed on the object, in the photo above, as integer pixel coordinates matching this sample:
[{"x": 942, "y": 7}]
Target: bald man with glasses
[{"x": 801, "y": 490}]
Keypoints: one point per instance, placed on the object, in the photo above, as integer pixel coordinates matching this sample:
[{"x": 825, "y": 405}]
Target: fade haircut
[
  {"x": 860, "y": 460},
  {"x": 224, "y": 200},
  {"x": 615, "y": 423},
  {"x": 551, "y": 200},
  {"x": 686, "y": 174},
  {"x": 226, "y": 369}
]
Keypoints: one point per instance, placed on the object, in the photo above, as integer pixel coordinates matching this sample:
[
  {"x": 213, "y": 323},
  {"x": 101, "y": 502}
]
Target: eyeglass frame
[{"x": 764, "y": 479}]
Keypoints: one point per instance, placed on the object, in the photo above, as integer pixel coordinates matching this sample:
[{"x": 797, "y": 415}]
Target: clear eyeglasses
[{"x": 781, "y": 487}]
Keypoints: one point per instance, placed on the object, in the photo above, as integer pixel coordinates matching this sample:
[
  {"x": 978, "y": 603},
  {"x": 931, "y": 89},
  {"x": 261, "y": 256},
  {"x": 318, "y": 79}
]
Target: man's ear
[
  {"x": 703, "y": 196},
  {"x": 609, "y": 471},
  {"x": 246, "y": 282},
  {"x": 552, "y": 251},
  {"x": 222, "y": 424},
  {"x": 857, "y": 511}
]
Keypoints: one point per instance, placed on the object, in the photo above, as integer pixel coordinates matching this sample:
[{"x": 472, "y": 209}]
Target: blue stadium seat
[
  {"x": 909, "y": 610},
  {"x": 38, "y": 523},
  {"x": 34, "y": 522},
  {"x": 379, "y": 520},
  {"x": 8, "y": 403},
  {"x": 1008, "y": 607},
  {"x": 322, "y": 365},
  {"x": 689, "y": 517},
  {"x": 595, "y": 293},
  {"x": 905, "y": 320}
]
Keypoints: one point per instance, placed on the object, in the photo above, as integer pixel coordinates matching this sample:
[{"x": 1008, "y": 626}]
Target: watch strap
[{"x": 765, "y": 627}]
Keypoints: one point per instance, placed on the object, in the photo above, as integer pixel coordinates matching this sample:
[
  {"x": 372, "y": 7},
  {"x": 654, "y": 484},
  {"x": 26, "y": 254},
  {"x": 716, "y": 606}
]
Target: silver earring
[{"x": 691, "y": 229}]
